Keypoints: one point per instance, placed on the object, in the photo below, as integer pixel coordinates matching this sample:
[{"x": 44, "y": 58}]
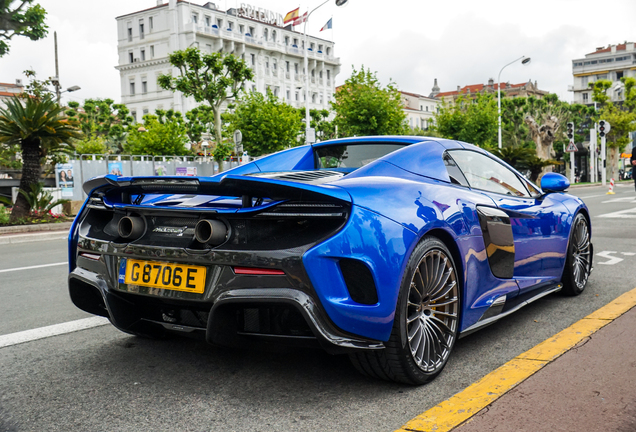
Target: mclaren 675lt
[{"x": 387, "y": 249}]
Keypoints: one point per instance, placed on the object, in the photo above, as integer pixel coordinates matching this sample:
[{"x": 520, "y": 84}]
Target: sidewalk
[{"x": 581, "y": 379}]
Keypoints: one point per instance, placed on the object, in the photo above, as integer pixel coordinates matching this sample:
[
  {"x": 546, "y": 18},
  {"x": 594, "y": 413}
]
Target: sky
[{"x": 410, "y": 42}]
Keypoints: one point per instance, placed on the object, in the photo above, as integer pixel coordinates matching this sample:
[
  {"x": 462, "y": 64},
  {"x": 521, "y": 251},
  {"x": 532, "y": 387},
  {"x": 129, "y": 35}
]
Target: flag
[
  {"x": 301, "y": 19},
  {"x": 328, "y": 25},
  {"x": 291, "y": 16}
]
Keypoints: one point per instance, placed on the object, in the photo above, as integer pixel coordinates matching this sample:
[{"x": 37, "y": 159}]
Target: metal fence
[{"x": 87, "y": 166}]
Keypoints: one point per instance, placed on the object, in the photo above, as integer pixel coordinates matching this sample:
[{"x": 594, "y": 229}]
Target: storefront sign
[{"x": 260, "y": 14}]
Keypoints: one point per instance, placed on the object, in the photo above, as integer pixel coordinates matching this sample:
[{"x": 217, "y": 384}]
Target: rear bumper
[{"x": 240, "y": 316}]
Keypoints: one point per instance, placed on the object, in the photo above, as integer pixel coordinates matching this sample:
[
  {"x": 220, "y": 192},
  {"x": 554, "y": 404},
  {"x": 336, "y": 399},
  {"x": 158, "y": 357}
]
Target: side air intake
[{"x": 359, "y": 281}]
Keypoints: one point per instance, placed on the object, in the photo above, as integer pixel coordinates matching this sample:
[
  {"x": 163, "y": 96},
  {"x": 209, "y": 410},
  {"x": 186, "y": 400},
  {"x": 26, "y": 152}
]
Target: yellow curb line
[{"x": 458, "y": 409}]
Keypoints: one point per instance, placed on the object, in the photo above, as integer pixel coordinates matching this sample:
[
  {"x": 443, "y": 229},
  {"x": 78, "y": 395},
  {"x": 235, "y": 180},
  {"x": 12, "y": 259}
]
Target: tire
[
  {"x": 426, "y": 320},
  {"x": 578, "y": 263}
]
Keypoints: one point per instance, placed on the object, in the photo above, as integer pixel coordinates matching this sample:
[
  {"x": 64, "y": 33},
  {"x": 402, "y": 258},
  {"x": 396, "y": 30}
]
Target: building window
[
  {"x": 230, "y": 25},
  {"x": 151, "y": 24},
  {"x": 295, "y": 42},
  {"x": 584, "y": 81},
  {"x": 296, "y": 68},
  {"x": 328, "y": 50},
  {"x": 288, "y": 94},
  {"x": 421, "y": 107},
  {"x": 144, "y": 87},
  {"x": 152, "y": 51},
  {"x": 129, "y": 34},
  {"x": 320, "y": 75},
  {"x": 253, "y": 57},
  {"x": 219, "y": 23},
  {"x": 252, "y": 32},
  {"x": 265, "y": 34},
  {"x": 312, "y": 46},
  {"x": 267, "y": 63},
  {"x": 144, "y": 111},
  {"x": 328, "y": 74},
  {"x": 296, "y": 96},
  {"x": 286, "y": 40},
  {"x": 208, "y": 21},
  {"x": 195, "y": 18},
  {"x": 253, "y": 87},
  {"x": 601, "y": 77},
  {"x": 241, "y": 28},
  {"x": 274, "y": 65},
  {"x": 132, "y": 88},
  {"x": 273, "y": 35},
  {"x": 142, "y": 54},
  {"x": 619, "y": 75},
  {"x": 319, "y": 48},
  {"x": 134, "y": 115},
  {"x": 141, "y": 29},
  {"x": 585, "y": 97},
  {"x": 130, "y": 57},
  {"x": 287, "y": 67}
]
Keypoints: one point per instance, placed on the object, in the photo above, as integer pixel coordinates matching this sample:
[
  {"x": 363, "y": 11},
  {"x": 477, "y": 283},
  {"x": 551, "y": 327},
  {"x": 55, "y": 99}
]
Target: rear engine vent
[
  {"x": 310, "y": 177},
  {"x": 359, "y": 281},
  {"x": 303, "y": 210}
]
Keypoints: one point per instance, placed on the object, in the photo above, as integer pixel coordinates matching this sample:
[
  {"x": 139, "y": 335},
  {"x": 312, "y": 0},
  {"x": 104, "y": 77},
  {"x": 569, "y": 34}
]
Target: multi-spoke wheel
[
  {"x": 578, "y": 263},
  {"x": 426, "y": 319}
]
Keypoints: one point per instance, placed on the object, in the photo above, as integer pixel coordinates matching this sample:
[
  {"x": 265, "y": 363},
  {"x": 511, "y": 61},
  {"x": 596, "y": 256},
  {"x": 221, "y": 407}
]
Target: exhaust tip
[
  {"x": 131, "y": 227},
  {"x": 210, "y": 231}
]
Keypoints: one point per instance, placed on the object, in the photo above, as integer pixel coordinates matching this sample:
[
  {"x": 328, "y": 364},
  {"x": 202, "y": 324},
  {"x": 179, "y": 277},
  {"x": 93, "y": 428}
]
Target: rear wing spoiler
[{"x": 229, "y": 185}]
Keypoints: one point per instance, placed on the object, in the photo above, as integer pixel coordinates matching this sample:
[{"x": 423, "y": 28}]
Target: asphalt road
[{"x": 103, "y": 380}]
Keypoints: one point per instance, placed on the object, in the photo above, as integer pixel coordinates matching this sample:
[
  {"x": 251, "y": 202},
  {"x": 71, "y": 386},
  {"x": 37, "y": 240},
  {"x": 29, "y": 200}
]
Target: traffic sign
[{"x": 571, "y": 148}]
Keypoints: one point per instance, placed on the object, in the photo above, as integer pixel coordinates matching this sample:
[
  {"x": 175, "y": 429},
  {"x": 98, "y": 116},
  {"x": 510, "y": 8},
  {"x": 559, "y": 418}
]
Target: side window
[
  {"x": 487, "y": 174},
  {"x": 454, "y": 172}
]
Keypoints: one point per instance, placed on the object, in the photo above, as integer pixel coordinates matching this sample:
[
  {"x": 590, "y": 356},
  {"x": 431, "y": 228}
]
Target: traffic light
[
  {"x": 602, "y": 128},
  {"x": 570, "y": 131}
]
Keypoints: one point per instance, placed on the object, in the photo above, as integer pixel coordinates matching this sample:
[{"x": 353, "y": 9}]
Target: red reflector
[
  {"x": 257, "y": 271},
  {"x": 90, "y": 256}
]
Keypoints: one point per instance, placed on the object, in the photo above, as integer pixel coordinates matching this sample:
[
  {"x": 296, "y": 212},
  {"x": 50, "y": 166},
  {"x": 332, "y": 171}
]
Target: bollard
[{"x": 611, "y": 190}]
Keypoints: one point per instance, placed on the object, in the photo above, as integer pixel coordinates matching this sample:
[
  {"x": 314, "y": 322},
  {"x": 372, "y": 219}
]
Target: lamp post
[
  {"x": 524, "y": 60},
  {"x": 306, "y": 62}
]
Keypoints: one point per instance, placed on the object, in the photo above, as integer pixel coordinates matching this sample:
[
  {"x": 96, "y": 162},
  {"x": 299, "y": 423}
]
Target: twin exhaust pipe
[{"x": 206, "y": 231}]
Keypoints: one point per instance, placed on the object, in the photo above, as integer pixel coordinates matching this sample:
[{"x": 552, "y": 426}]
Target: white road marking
[
  {"x": 592, "y": 196},
  {"x": 623, "y": 214},
  {"x": 612, "y": 260},
  {"x": 33, "y": 267},
  {"x": 52, "y": 330},
  {"x": 629, "y": 253},
  {"x": 625, "y": 199}
]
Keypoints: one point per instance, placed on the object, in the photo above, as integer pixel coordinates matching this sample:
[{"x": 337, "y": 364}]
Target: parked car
[{"x": 385, "y": 248}]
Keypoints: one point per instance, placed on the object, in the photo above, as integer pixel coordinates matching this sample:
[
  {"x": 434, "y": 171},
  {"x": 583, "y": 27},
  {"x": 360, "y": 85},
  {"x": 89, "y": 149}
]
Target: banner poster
[
  {"x": 114, "y": 168},
  {"x": 65, "y": 179},
  {"x": 160, "y": 170},
  {"x": 186, "y": 171}
]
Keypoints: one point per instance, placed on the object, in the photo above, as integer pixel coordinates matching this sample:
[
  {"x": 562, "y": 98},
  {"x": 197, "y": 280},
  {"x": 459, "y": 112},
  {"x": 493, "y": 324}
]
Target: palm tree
[{"x": 40, "y": 128}]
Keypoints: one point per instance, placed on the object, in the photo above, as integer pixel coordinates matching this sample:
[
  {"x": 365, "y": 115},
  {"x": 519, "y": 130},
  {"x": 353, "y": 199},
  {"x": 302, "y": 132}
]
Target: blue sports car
[{"x": 384, "y": 248}]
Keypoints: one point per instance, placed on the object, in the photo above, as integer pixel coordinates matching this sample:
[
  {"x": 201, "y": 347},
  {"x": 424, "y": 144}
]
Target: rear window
[{"x": 353, "y": 155}]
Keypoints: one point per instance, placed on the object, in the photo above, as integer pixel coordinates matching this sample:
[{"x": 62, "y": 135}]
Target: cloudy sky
[{"x": 409, "y": 41}]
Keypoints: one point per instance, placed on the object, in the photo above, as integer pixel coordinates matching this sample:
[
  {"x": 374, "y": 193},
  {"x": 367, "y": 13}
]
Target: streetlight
[
  {"x": 306, "y": 47},
  {"x": 524, "y": 60},
  {"x": 205, "y": 145}
]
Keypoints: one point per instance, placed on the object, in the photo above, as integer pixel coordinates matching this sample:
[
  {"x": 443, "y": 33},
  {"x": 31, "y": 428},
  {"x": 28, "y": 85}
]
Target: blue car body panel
[{"x": 395, "y": 201}]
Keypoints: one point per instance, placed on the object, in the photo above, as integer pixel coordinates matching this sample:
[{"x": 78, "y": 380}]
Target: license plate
[{"x": 177, "y": 277}]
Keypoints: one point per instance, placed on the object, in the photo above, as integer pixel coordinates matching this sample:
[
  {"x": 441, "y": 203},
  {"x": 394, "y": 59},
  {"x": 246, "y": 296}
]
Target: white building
[
  {"x": 611, "y": 63},
  {"x": 8, "y": 90},
  {"x": 420, "y": 110},
  {"x": 147, "y": 37}
]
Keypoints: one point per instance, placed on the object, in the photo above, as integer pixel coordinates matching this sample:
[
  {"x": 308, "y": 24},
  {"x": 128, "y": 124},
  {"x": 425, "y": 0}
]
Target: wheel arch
[{"x": 448, "y": 240}]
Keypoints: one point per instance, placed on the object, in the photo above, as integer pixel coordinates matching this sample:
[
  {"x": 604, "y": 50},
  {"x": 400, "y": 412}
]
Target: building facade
[
  {"x": 8, "y": 90},
  {"x": 275, "y": 53},
  {"x": 507, "y": 90},
  {"x": 419, "y": 109},
  {"x": 608, "y": 63}
]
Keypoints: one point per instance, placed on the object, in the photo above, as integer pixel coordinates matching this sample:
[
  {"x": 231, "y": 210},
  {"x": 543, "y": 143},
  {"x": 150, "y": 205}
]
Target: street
[{"x": 102, "y": 379}]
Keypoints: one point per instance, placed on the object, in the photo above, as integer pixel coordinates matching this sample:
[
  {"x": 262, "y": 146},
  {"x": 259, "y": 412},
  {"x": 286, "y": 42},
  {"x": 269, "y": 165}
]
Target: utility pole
[{"x": 56, "y": 79}]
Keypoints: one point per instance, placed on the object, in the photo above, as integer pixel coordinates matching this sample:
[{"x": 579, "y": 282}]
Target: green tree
[
  {"x": 364, "y": 107},
  {"x": 621, "y": 117},
  {"x": 200, "y": 121},
  {"x": 212, "y": 78},
  {"x": 469, "y": 119},
  {"x": 92, "y": 145},
  {"x": 267, "y": 124},
  {"x": 164, "y": 134},
  {"x": 102, "y": 118},
  {"x": 16, "y": 19},
  {"x": 40, "y": 128}
]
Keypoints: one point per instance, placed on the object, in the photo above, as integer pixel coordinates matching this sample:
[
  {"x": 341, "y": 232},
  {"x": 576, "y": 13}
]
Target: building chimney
[
  {"x": 613, "y": 49},
  {"x": 629, "y": 46},
  {"x": 458, "y": 89},
  {"x": 491, "y": 82}
]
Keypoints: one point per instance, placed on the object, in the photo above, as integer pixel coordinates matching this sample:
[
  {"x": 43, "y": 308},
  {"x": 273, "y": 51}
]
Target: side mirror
[{"x": 553, "y": 182}]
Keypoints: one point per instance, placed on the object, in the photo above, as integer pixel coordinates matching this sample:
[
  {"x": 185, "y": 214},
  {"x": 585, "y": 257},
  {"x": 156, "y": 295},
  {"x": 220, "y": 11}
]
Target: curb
[
  {"x": 14, "y": 229},
  {"x": 33, "y": 237},
  {"x": 460, "y": 408}
]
